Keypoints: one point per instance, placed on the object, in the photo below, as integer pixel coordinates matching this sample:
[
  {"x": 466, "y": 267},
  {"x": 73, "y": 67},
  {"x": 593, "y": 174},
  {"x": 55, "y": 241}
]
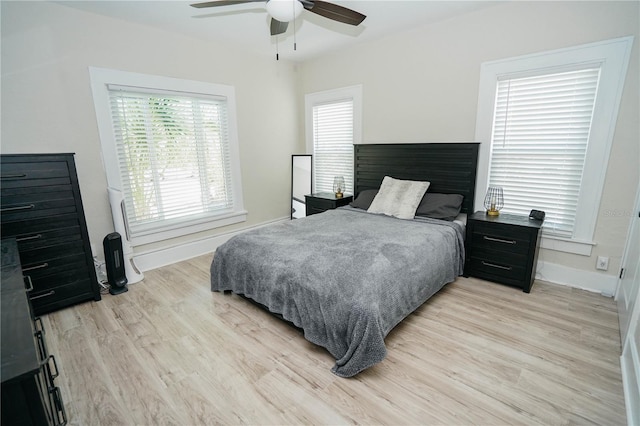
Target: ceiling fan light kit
[{"x": 284, "y": 11}]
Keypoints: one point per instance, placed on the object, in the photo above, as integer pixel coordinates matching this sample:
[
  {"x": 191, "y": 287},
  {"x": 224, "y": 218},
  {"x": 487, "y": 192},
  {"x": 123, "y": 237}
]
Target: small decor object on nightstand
[
  {"x": 338, "y": 186},
  {"x": 494, "y": 201},
  {"x": 536, "y": 215}
]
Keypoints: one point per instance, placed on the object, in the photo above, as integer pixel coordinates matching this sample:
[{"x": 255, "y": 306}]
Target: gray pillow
[
  {"x": 440, "y": 206},
  {"x": 434, "y": 205},
  {"x": 364, "y": 199}
]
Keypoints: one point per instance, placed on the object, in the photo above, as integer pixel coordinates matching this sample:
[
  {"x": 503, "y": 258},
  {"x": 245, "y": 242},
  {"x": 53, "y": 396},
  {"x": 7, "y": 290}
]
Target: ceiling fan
[{"x": 284, "y": 11}]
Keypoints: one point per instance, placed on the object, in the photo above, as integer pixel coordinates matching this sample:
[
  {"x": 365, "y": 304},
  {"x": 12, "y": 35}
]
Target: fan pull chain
[
  {"x": 293, "y": 5},
  {"x": 277, "y": 52},
  {"x": 294, "y": 35}
]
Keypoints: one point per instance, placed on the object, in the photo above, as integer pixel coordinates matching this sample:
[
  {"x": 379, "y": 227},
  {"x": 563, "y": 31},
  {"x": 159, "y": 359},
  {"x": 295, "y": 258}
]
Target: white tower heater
[{"x": 120, "y": 224}]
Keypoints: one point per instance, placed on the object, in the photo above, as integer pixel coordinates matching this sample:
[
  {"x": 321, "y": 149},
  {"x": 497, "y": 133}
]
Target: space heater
[{"x": 114, "y": 262}]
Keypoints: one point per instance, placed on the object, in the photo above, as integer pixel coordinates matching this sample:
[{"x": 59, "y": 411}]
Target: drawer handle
[
  {"x": 30, "y": 286},
  {"x": 53, "y": 372},
  {"x": 36, "y": 321},
  {"x": 31, "y": 268},
  {"x": 61, "y": 416},
  {"x": 10, "y": 209},
  {"x": 498, "y": 240},
  {"x": 493, "y": 265},
  {"x": 16, "y": 176},
  {"x": 40, "y": 296},
  {"x": 31, "y": 237}
]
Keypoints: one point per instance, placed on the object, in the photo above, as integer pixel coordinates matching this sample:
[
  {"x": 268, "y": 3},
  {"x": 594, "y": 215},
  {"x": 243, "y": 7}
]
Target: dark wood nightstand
[
  {"x": 502, "y": 248},
  {"x": 323, "y": 201}
]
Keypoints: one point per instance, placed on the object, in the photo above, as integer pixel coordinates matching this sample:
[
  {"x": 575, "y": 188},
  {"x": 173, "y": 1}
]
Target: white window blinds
[
  {"x": 333, "y": 129},
  {"x": 539, "y": 142},
  {"x": 173, "y": 157}
]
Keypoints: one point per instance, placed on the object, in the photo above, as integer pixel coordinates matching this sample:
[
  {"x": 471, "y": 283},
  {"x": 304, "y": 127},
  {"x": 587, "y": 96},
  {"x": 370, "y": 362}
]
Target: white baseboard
[
  {"x": 146, "y": 261},
  {"x": 578, "y": 278}
]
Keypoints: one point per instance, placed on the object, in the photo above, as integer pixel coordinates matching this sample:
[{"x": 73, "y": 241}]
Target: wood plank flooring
[{"x": 171, "y": 352}]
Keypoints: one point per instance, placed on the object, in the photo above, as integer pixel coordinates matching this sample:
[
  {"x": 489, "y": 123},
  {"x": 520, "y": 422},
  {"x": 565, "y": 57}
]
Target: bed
[{"x": 347, "y": 277}]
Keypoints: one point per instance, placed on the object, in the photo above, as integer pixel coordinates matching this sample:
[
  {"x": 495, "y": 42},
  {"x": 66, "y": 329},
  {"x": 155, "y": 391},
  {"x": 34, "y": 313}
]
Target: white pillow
[{"x": 399, "y": 198}]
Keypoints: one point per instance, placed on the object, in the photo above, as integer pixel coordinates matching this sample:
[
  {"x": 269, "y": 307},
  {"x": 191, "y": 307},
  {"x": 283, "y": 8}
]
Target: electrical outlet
[{"x": 602, "y": 263}]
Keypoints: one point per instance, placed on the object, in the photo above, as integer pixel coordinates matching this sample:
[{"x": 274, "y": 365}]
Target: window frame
[
  {"x": 353, "y": 93},
  {"x": 102, "y": 78},
  {"x": 613, "y": 58}
]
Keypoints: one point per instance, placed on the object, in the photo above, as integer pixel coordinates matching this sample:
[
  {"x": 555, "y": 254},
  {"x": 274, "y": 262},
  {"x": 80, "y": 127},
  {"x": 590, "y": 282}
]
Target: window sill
[
  {"x": 582, "y": 248},
  {"x": 190, "y": 228}
]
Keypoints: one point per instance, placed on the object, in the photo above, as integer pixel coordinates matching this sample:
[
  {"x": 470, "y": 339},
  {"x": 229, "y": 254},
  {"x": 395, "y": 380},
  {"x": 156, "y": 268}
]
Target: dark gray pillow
[
  {"x": 440, "y": 206},
  {"x": 364, "y": 199}
]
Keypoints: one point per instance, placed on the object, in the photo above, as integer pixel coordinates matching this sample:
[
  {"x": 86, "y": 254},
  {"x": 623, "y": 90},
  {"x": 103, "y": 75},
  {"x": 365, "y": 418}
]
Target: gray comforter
[{"x": 346, "y": 277}]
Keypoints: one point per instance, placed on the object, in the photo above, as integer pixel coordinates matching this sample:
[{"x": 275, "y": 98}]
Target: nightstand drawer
[
  {"x": 504, "y": 238},
  {"x": 321, "y": 204},
  {"x": 497, "y": 270},
  {"x": 323, "y": 201},
  {"x": 314, "y": 210}
]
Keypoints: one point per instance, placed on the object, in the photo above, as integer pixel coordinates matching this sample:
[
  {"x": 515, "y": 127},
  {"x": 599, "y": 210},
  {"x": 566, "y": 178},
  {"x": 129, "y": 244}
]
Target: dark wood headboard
[{"x": 450, "y": 167}]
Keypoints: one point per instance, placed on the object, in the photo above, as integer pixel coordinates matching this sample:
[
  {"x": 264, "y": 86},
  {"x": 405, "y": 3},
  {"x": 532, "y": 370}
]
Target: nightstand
[
  {"x": 503, "y": 248},
  {"x": 323, "y": 201}
]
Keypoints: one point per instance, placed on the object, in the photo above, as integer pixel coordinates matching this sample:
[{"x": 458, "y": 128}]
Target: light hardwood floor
[{"x": 171, "y": 352}]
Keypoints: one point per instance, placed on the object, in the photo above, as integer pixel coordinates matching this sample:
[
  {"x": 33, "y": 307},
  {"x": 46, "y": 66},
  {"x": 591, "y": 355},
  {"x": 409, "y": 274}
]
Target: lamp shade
[
  {"x": 338, "y": 186},
  {"x": 284, "y": 10},
  {"x": 494, "y": 200}
]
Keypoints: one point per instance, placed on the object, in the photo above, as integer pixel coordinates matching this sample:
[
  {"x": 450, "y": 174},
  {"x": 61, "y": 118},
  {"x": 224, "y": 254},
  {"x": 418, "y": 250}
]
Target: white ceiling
[{"x": 247, "y": 25}]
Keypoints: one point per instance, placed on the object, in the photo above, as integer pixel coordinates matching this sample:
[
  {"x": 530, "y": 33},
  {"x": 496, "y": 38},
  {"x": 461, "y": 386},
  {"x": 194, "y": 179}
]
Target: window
[
  {"x": 540, "y": 132},
  {"x": 546, "y": 122},
  {"x": 333, "y": 126},
  {"x": 169, "y": 148}
]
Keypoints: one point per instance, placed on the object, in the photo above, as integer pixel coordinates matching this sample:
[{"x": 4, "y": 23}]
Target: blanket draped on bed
[{"x": 346, "y": 277}]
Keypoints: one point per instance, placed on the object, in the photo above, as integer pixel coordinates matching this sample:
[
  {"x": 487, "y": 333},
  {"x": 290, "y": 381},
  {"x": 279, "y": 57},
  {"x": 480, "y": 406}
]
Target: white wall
[
  {"x": 422, "y": 86},
  {"x": 47, "y": 104}
]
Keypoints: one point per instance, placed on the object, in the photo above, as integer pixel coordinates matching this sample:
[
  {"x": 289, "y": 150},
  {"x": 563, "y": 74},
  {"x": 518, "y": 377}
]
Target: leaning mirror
[{"x": 301, "y": 172}]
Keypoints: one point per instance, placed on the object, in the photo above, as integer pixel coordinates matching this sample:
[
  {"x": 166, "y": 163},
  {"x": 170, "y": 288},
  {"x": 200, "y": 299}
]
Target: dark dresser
[
  {"x": 41, "y": 208},
  {"x": 503, "y": 248},
  {"x": 29, "y": 393}
]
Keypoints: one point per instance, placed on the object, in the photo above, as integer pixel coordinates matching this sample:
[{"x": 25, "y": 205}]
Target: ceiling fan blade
[
  {"x": 334, "y": 11},
  {"x": 223, "y": 3},
  {"x": 278, "y": 27}
]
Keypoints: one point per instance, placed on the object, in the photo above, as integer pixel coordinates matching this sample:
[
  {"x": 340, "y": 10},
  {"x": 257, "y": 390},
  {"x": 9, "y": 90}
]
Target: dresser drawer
[
  {"x": 31, "y": 258},
  {"x": 17, "y": 173},
  {"x": 38, "y": 229},
  {"x": 47, "y": 300},
  {"x": 55, "y": 270},
  {"x": 43, "y": 281},
  {"x": 32, "y": 235},
  {"x": 38, "y": 205}
]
